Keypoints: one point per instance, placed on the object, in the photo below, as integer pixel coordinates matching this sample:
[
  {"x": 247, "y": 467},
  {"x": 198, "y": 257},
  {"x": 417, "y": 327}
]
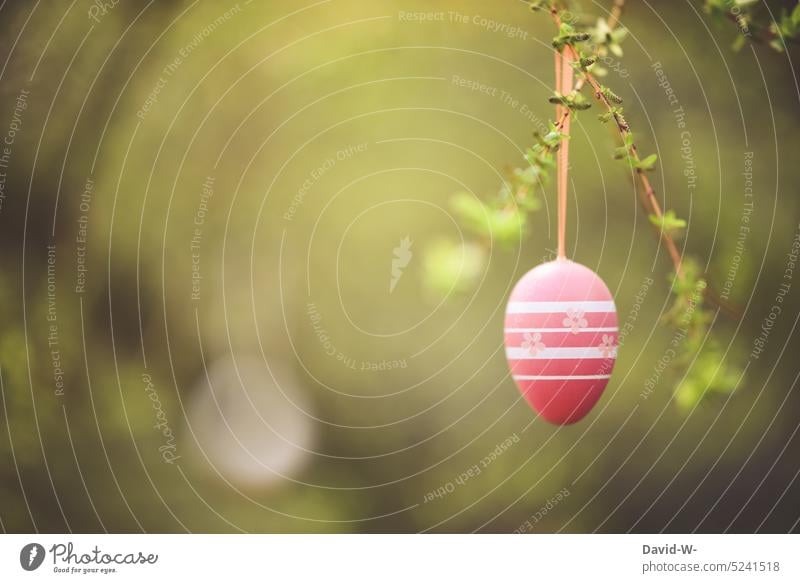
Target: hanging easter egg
[{"x": 561, "y": 339}]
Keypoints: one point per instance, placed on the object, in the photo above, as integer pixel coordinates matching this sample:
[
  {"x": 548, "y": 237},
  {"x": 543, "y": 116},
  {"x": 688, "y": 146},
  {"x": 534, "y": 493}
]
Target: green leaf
[
  {"x": 687, "y": 395},
  {"x": 506, "y": 225},
  {"x": 451, "y": 267},
  {"x": 777, "y": 44},
  {"x": 619, "y": 34},
  {"x": 708, "y": 374},
  {"x": 610, "y": 95},
  {"x": 529, "y": 202},
  {"x": 614, "y": 113},
  {"x": 565, "y": 29},
  {"x": 623, "y": 152},
  {"x": 629, "y": 139},
  {"x": 669, "y": 223},
  {"x": 574, "y": 101},
  {"x": 567, "y": 35},
  {"x": 577, "y": 102},
  {"x": 739, "y": 43},
  {"x": 530, "y": 176},
  {"x": 537, "y": 5},
  {"x": 647, "y": 163},
  {"x": 471, "y": 211}
]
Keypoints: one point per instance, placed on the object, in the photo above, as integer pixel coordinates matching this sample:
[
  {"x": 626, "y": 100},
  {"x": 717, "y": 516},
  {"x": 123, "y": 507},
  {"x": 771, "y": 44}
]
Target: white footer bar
[{"x": 402, "y": 558}]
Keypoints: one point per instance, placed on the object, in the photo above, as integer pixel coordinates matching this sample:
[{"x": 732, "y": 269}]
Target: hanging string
[
  {"x": 558, "y": 58},
  {"x": 564, "y": 77}
]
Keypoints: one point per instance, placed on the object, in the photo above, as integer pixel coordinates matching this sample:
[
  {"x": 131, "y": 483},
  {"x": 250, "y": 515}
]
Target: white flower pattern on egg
[
  {"x": 533, "y": 343},
  {"x": 575, "y": 320},
  {"x": 607, "y": 346}
]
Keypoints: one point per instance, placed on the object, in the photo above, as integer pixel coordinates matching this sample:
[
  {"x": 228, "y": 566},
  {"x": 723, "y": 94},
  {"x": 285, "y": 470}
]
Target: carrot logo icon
[
  {"x": 402, "y": 257},
  {"x": 31, "y": 556}
]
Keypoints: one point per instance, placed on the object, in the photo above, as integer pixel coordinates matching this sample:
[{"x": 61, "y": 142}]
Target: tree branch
[{"x": 649, "y": 200}]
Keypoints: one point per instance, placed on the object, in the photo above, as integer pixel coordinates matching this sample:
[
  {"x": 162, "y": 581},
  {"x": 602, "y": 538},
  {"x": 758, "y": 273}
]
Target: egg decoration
[{"x": 561, "y": 339}]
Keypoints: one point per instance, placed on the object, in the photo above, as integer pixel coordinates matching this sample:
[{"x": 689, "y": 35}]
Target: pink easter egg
[{"x": 561, "y": 339}]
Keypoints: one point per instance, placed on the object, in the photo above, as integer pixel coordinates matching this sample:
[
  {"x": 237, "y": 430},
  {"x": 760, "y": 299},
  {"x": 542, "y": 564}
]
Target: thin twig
[{"x": 655, "y": 207}]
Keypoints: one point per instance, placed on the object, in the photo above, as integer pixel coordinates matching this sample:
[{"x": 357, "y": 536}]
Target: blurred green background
[{"x": 230, "y": 357}]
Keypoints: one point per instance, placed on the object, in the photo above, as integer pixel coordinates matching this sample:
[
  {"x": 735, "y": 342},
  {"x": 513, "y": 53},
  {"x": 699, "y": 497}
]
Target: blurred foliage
[
  {"x": 758, "y": 21},
  {"x": 409, "y": 389},
  {"x": 450, "y": 267}
]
